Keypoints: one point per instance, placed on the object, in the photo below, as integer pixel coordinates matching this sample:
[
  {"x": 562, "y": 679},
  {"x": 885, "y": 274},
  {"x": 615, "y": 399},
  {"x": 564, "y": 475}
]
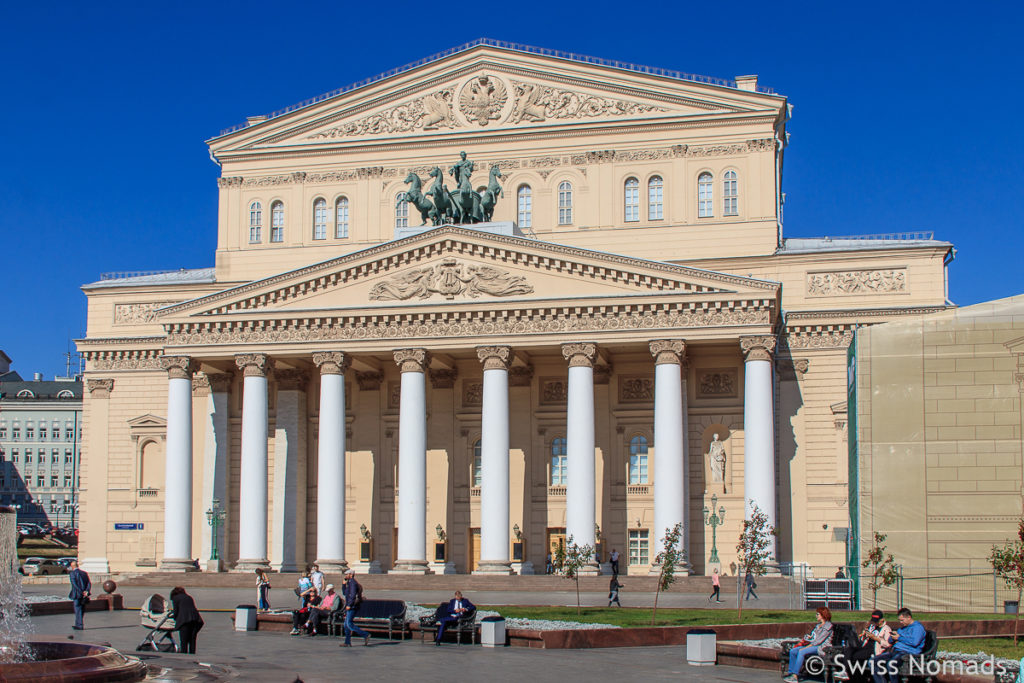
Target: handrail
[
  {"x": 122, "y": 274},
  {"x": 506, "y": 45},
  {"x": 894, "y": 236}
]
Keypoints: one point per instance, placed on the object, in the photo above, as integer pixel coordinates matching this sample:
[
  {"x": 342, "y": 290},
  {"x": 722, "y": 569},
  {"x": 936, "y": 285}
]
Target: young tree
[
  {"x": 668, "y": 559},
  {"x": 752, "y": 552},
  {"x": 570, "y": 559},
  {"x": 1008, "y": 562},
  {"x": 883, "y": 567}
]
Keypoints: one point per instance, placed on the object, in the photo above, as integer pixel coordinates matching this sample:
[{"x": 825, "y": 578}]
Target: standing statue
[
  {"x": 716, "y": 457},
  {"x": 465, "y": 200},
  {"x": 463, "y": 204}
]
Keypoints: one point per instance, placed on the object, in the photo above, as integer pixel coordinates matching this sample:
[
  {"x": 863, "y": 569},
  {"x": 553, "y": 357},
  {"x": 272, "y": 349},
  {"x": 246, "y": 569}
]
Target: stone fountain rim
[{"x": 96, "y": 662}]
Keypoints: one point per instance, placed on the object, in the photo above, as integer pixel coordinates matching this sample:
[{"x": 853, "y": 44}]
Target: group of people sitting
[
  {"x": 875, "y": 654},
  {"x": 317, "y": 602}
]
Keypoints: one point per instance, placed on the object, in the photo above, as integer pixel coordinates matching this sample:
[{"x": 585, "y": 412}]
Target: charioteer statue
[{"x": 463, "y": 205}]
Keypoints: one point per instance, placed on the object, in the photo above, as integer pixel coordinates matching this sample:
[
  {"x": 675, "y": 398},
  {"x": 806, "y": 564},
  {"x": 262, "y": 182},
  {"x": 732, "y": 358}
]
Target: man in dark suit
[
  {"x": 457, "y": 607},
  {"x": 79, "y": 595}
]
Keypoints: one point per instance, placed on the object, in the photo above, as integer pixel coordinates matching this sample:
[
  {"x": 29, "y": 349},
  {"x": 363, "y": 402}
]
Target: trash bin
[
  {"x": 1010, "y": 606},
  {"x": 700, "y": 647},
  {"x": 492, "y": 631},
  {"x": 245, "y": 618}
]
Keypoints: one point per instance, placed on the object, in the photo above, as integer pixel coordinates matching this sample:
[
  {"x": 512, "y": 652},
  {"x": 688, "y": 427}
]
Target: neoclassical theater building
[{"x": 628, "y": 342}]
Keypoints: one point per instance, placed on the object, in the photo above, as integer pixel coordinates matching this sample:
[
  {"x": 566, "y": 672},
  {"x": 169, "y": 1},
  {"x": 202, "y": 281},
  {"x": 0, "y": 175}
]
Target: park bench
[
  {"x": 465, "y": 624},
  {"x": 840, "y": 634},
  {"x": 374, "y": 614},
  {"x": 918, "y": 670}
]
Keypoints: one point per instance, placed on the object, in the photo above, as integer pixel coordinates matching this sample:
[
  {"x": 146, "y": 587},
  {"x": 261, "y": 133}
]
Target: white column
[
  {"x": 494, "y": 442},
  {"x": 330, "y": 500},
  {"x": 670, "y": 496},
  {"x": 178, "y": 478},
  {"x": 412, "y": 463},
  {"x": 288, "y": 528},
  {"x": 580, "y": 515},
  {"x": 216, "y": 441},
  {"x": 252, "y": 494},
  {"x": 759, "y": 428}
]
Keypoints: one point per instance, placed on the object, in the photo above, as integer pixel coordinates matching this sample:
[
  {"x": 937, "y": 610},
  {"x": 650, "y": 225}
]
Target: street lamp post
[
  {"x": 714, "y": 521},
  {"x": 215, "y": 517}
]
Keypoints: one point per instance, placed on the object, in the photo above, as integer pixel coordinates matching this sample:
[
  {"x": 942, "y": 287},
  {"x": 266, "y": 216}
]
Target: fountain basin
[{"x": 56, "y": 661}]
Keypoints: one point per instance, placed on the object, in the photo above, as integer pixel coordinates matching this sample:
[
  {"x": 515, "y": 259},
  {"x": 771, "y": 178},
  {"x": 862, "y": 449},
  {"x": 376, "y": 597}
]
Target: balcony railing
[
  {"x": 474, "y": 492},
  {"x": 556, "y": 490},
  {"x": 638, "y": 489},
  {"x": 148, "y": 493}
]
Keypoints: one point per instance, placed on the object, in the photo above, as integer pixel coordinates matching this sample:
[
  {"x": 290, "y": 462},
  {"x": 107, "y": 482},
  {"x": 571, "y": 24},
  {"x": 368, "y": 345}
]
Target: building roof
[
  {"x": 896, "y": 240},
  {"x": 40, "y": 390},
  {"x": 154, "y": 277}
]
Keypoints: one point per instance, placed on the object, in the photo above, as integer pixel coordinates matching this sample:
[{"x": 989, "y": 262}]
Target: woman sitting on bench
[{"x": 821, "y": 635}]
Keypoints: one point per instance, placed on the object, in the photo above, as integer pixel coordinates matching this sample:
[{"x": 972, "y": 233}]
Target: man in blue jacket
[
  {"x": 457, "y": 607},
  {"x": 79, "y": 595},
  {"x": 907, "y": 640},
  {"x": 353, "y": 599}
]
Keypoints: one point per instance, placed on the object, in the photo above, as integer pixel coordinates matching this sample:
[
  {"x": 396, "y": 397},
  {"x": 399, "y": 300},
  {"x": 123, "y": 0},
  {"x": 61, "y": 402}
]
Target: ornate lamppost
[
  {"x": 714, "y": 520},
  {"x": 215, "y": 517}
]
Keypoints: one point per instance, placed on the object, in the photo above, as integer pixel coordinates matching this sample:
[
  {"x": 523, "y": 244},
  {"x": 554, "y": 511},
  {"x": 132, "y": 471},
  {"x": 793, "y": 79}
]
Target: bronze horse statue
[
  {"x": 490, "y": 195},
  {"x": 415, "y": 197},
  {"x": 442, "y": 200}
]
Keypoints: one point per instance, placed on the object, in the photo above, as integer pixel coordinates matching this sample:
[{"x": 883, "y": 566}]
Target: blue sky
[{"x": 906, "y": 118}]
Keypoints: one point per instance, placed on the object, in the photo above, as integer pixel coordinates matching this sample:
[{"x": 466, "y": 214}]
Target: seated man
[
  {"x": 457, "y": 607},
  {"x": 908, "y": 640},
  {"x": 300, "y": 617},
  {"x": 329, "y": 603}
]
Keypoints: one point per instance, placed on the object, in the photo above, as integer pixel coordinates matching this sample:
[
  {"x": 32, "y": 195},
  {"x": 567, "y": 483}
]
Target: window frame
[
  {"x": 730, "y": 193},
  {"x": 642, "y": 469},
  {"x": 276, "y": 226},
  {"x": 524, "y": 215},
  {"x": 658, "y": 191},
  {"x": 559, "y": 463},
  {"x": 319, "y": 218},
  {"x": 255, "y": 221},
  {"x": 476, "y": 464},
  {"x": 643, "y": 547},
  {"x": 339, "y": 203},
  {"x": 401, "y": 211},
  {"x": 705, "y": 195},
  {"x": 565, "y": 202},
  {"x": 631, "y": 200}
]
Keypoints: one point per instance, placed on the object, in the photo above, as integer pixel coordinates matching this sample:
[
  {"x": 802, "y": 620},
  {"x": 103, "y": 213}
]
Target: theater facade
[{"x": 624, "y": 341}]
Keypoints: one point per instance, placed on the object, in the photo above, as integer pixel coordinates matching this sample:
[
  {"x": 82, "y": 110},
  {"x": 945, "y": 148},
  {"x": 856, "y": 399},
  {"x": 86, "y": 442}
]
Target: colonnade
[{"x": 671, "y": 474}]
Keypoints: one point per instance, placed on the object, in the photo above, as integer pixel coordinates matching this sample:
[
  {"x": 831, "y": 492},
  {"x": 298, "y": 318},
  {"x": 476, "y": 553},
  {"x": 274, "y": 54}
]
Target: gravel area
[
  {"x": 35, "y": 597},
  {"x": 413, "y": 612}
]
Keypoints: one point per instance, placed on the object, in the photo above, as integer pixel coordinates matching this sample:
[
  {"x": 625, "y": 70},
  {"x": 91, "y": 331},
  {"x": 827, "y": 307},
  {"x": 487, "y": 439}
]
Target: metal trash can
[
  {"x": 492, "y": 631},
  {"x": 700, "y": 647},
  {"x": 1010, "y": 606},
  {"x": 245, "y": 618}
]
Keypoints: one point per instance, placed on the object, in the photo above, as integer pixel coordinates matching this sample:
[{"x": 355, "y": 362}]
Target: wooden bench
[
  {"x": 919, "y": 668},
  {"x": 465, "y": 624},
  {"x": 374, "y": 614}
]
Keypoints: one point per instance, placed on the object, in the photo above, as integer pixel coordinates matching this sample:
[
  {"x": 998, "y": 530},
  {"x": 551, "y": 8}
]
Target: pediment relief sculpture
[
  {"x": 449, "y": 279},
  {"x": 535, "y": 102},
  {"x": 430, "y": 112},
  {"x": 482, "y": 99}
]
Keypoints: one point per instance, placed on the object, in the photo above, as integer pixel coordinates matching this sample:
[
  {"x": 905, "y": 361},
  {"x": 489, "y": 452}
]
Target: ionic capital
[
  {"x": 580, "y": 354},
  {"x": 668, "y": 351},
  {"x": 100, "y": 388},
  {"x": 291, "y": 380},
  {"x": 494, "y": 357},
  {"x": 332, "y": 362},
  {"x": 412, "y": 360},
  {"x": 757, "y": 347},
  {"x": 254, "y": 364},
  {"x": 177, "y": 367}
]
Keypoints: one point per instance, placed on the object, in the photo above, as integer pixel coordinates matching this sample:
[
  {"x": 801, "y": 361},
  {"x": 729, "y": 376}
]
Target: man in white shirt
[{"x": 317, "y": 577}]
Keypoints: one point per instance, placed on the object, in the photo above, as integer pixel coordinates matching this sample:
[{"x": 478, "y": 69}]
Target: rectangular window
[
  {"x": 655, "y": 199},
  {"x": 558, "y": 470},
  {"x": 14, "y": 455},
  {"x": 478, "y": 476},
  {"x": 56, "y": 433},
  {"x": 16, "y": 433},
  {"x": 67, "y": 482},
  {"x": 54, "y": 456},
  {"x": 731, "y": 195},
  {"x": 30, "y": 433},
  {"x": 704, "y": 197},
  {"x": 320, "y": 220},
  {"x": 638, "y": 469},
  {"x": 68, "y": 433},
  {"x": 341, "y": 219},
  {"x": 42, "y": 433},
  {"x": 401, "y": 211},
  {"x": 639, "y": 554},
  {"x": 3, "y": 432},
  {"x": 632, "y": 200},
  {"x": 41, "y": 481},
  {"x": 53, "y": 481},
  {"x": 565, "y": 204},
  {"x": 525, "y": 209},
  {"x": 67, "y": 456},
  {"x": 28, "y": 455}
]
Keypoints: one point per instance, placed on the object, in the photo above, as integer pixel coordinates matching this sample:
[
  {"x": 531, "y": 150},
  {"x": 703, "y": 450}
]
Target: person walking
[
  {"x": 549, "y": 565},
  {"x": 613, "y": 590},
  {"x": 751, "y": 585},
  {"x": 80, "y": 590},
  {"x": 262, "y": 591},
  {"x": 353, "y": 599},
  {"x": 186, "y": 618},
  {"x": 614, "y": 558},
  {"x": 716, "y": 587}
]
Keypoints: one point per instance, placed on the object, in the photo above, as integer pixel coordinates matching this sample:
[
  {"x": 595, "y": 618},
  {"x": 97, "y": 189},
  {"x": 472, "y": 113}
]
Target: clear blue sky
[{"x": 906, "y": 118}]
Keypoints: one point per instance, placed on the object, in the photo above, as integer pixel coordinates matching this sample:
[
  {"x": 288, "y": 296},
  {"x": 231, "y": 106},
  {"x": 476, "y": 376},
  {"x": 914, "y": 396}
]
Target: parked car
[
  {"x": 66, "y": 561},
  {"x": 38, "y": 566},
  {"x": 29, "y": 530}
]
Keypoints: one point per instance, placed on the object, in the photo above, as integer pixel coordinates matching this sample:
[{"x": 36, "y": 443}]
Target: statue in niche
[{"x": 716, "y": 457}]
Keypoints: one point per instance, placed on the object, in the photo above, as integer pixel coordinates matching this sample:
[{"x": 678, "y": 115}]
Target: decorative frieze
[
  {"x": 819, "y": 337},
  {"x": 832, "y": 283},
  {"x": 177, "y": 367},
  {"x": 369, "y": 381},
  {"x": 230, "y": 181},
  {"x": 138, "y": 313},
  {"x": 450, "y": 278},
  {"x": 430, "y": 112},
  {"x": 580, "y": 354},
  {"x": 472, "y": 394},
  {"x": 254, "y": 364},
  {"x": 535, "y": 103},
  {"x": 134, "y": 359},
  {"x": 553, "y": 390},
  {"x": 203, "y": 383},
  {"x": 332, "y": 362},
  {"x": 412, "y": 360},
  {"x": 668, "y": 351},
  {"x": 757, "y": 347},
  {"x": 99, "y": 388},
  {"x": 443, "y": 378},
  {"x": 636, "y": 389},
  {"x": 494, "y": 357},
  {"x": 717, "y": 383},
  {"x": 520, "y": 375}
]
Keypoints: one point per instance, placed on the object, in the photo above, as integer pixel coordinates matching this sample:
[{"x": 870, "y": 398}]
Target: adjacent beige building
[{"x": 632, "y": 297}]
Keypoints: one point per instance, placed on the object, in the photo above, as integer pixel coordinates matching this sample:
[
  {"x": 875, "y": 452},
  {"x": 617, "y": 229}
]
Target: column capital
[
  {"x": 100, "y": 388},
  {"x": 412, "y": 360},
  {"x": 494, "y": 357},
  {"x": 254, "y": 364},
  {"x": 177, "y": 367},
  {"x": 758, "y": 347},
  {"x": 668, "y": 351},
  {"x": 291, "y": 380},
  {"x": 580, "y": 354},
  {"x": 332, "y": 362},
  {"x": 520, "y": 375}
]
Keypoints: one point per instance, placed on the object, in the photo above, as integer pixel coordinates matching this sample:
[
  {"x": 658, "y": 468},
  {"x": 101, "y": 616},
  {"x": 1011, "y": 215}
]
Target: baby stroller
[{"x": 156, "y": 617}]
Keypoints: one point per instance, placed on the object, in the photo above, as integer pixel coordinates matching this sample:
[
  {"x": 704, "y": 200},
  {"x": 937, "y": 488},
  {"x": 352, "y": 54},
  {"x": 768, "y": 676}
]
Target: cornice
[
  {"x": 124, "y": 359},
  {"x": 120, "y": 341},
  {"x": 859, "y": 313}
]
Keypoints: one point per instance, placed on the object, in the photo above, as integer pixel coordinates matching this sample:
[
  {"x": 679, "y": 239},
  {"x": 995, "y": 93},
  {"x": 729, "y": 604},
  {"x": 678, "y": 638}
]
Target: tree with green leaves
[
  {"x": 754, "y": 548},
  {"x": 570, "y": 559},
  {"x": 671, "y": 556},
  {"x": 1008, "y": 562},
  {"x": 884, "y": 572}
]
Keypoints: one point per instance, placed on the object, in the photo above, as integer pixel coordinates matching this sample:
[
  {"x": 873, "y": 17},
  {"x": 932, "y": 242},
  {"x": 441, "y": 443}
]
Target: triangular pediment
[
  {"x": 486, "y": 90},
  {"x": 148, "y": 421},
  {"x": 461, "y": 267}
]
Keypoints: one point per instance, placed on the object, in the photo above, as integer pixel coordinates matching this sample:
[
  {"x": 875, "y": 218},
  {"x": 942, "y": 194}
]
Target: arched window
[
  {"x": 525, "y": 204},
  {"x": 255, "y": 221},
  {"x": 277, "y": 222},
  {"x": 558, "y": 462},
  {"x": 655, "y": 198},
  {"x": 401, "y": 211},
  {"x": 477, "y": 461},
  {"x": 66, "y": 393},
  {"x": 638, "y": 460},
  {"x": 705, "y": 200},
  {"x": 731, "y": 194},
  {"x": 632, "y": 200},
  {"x": 565, "y": 203},
  {"x": 320, "y": 219},
  {"x": 341, "y": 218},
  {"x": 25, "y": 393}
]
